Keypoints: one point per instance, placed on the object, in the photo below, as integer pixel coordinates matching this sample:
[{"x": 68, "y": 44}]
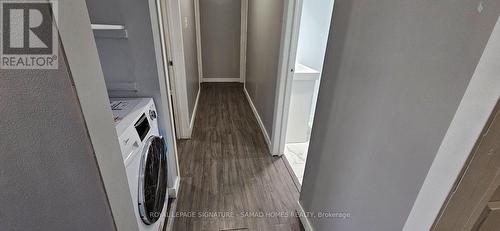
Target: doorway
[{"x": 310, "y": 25}]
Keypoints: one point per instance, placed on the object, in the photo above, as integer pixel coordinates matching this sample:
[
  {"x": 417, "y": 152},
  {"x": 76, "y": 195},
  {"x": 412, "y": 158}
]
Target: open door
[{"x": 474, "y": 202}]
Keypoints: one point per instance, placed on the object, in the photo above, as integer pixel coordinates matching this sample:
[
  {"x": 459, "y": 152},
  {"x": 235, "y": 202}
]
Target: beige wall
[{"x": 263, "y": 47}]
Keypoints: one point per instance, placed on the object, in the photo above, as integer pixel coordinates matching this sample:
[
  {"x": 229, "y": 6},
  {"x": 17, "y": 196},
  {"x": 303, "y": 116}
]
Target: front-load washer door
[{"x": 152, "y": 180}]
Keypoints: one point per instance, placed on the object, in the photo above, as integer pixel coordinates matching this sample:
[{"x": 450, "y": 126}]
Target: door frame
[
  {"x": 243, "y": 45},
  {"x": 173, "y": 40},
  {"x": 162, "y": 43},
  {"x": 288, "y": 53}
]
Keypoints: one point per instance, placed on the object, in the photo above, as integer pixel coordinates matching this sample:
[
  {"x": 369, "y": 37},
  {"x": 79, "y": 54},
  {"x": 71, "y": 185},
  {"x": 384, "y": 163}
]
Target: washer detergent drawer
[{"x": 129, "y": 144}]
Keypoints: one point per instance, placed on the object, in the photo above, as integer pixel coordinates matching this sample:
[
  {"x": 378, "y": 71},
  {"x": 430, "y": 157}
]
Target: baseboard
[
  {"x": 303, "y": 218},
  {"x": 261, "y": 125},
  {"x": 193, "y": 116},
  {"x": 289, "y": 168},
  {"x": 174, "y": 191},
  {"x": 221, "y": 80}
]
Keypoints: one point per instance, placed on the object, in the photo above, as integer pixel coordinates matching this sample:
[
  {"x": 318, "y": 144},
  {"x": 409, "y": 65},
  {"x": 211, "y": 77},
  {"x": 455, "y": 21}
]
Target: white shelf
[
  {"x": 109, "y": 31},
  {"x": 107, "y": 27}
]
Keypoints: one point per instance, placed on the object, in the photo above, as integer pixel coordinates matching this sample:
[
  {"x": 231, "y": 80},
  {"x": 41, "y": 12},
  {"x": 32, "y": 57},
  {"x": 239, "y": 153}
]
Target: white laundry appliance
[{"x": 144, "y": 156}]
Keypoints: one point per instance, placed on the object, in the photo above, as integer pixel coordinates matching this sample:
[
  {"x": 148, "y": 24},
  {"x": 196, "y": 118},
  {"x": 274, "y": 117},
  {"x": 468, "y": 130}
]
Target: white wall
[
  {"x": 313, "y": 33},
  {"x": 394, "y": 75}
]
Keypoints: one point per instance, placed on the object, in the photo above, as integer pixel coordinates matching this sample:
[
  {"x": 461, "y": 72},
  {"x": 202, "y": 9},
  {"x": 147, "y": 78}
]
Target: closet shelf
[
  {"x": 107, "y": 27},
  {"x": 109, "y": 31}
]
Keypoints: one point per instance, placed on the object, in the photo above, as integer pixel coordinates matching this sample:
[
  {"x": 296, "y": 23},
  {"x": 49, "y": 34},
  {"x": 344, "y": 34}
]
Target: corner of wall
[
  {"x": 195, "y": 110},
  {"x": 259, "y": 120}
]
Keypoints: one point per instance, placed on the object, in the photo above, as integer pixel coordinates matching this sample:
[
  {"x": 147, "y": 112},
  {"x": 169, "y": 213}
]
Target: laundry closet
[{"x": 128, "y": 39}]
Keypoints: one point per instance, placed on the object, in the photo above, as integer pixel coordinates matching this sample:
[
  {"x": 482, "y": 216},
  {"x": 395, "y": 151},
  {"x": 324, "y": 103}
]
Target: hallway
[{"x": 229, "y": 181}]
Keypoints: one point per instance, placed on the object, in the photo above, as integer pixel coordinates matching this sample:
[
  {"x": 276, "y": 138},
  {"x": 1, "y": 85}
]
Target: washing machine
[{"x": 145, "y": 159}]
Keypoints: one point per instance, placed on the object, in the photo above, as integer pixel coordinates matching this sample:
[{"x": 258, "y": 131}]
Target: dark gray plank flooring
[{"x": 229, "y": 181}]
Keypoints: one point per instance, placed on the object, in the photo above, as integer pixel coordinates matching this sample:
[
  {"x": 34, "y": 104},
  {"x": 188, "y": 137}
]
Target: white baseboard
[
  {"x": 174, "y": 191},
  {"x": 193, "y": 116},
  {"x": 223, "y": 80},
  {"x": 303, "y": 219},
  {"x": 261, "y": 125}
]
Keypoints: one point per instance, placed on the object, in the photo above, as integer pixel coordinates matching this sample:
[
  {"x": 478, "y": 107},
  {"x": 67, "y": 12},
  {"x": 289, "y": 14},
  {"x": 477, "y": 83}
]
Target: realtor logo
[{"x": 29, "y": 38}]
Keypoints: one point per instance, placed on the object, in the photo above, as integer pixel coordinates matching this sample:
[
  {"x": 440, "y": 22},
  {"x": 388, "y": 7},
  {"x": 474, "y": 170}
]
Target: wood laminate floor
[{"x": 229, "y": 181}]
